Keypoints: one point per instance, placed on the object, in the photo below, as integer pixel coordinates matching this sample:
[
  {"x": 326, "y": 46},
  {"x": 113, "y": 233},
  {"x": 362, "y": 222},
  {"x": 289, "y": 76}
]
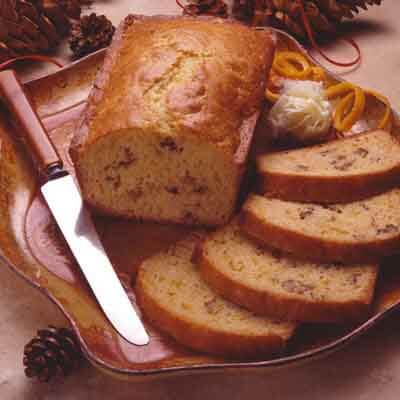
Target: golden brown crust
[
  {"x": 96, "y": 94},
  {"x": 322, "y": 189},
  {"x": 326, "y": 189},
  {"x": 281, "y": 306},
  {"x": 202, "y": 338},
  {"x": 314, "y": 248},
  {"x": 139, "y": 53}
]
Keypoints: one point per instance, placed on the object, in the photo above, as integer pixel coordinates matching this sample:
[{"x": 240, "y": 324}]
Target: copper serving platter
[{"x": 32, "y": 246}]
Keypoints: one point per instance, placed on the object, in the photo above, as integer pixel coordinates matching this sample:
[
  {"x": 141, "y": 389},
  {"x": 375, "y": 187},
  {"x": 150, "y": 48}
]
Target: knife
[{"x": 65, "y": 202}]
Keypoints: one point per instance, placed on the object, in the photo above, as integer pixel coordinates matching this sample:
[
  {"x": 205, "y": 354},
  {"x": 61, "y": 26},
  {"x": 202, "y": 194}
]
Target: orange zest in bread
[
  {"x": 170, "y": 119},
  {"x": 336, "y": 172},
  {"x": 173, "y": 297},
  {"x": 270, "y": 282},
  {"x": 361, "y": 231}
]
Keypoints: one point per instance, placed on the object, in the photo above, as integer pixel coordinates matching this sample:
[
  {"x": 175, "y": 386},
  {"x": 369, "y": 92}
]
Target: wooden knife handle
[{"x": 32, "y": 130}]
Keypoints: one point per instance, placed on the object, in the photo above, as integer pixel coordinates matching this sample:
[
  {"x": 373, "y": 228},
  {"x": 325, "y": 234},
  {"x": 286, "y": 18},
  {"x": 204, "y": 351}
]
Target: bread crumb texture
[
  {"x": 173, "y": 282},
  {"x": 373, "y": 219},
  {"x": 269, "y": 281},
  {"x": 363, "y": 154}
]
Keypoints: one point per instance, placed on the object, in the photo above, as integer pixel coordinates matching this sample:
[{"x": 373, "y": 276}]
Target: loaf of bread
[
  {"x": 168, "y": 124},
  {"x": 336, "y": 172},
  {"x": 269, "y": 282},
  {"x": 361, "y": 231},
  {"x": 173, "y": 297}
]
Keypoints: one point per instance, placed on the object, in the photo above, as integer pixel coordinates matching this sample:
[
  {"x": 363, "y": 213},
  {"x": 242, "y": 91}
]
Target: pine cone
[
  {"x": 34, "y": 26},
  {"x": 53, "y": 352},
  {"x": 324, "y": 15},
  {"x": 91, "y": 33},
  {"x": 216, "y": 8}
]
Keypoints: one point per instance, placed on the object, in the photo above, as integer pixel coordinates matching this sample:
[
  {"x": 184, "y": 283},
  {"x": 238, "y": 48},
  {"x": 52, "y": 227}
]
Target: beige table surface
[{"x": 367, "y": 370}]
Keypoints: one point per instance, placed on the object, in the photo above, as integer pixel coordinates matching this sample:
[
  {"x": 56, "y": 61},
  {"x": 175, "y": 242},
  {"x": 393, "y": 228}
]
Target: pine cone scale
[
  {"x": 29, "y": 28},
  {"x": 59, "y": 19},
  {"x": 8, "y": 10},
  {"x": 20, "y": 46},
  {"x": 50, "y": 31},
  {"x": 28, "y": 10},
  {"x": 6, "y": 52}
]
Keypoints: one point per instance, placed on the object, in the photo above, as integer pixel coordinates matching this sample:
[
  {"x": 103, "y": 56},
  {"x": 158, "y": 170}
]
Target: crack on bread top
[
  {"x": 201, "y": 70},
  {"x": 181, "y": 88}
]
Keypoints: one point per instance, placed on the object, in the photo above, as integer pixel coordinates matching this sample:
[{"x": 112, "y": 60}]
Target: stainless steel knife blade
[{"x": 65, "y": 202}]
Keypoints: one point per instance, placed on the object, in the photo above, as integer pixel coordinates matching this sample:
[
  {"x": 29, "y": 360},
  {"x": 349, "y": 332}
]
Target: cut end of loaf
[{"x": 156, "y": 177}]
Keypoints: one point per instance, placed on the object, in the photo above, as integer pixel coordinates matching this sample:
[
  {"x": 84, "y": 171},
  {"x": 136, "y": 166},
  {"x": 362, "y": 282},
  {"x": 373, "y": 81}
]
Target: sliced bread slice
[
  {"x": 361, "y": 231},
  {"x": 269, "y": 282},
  {"x": 173, "y": 296},
  {"x": 336, "y": 172}
]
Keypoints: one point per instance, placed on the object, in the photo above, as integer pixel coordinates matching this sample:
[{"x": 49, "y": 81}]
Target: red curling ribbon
[{"x": 311, "y": 38}]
